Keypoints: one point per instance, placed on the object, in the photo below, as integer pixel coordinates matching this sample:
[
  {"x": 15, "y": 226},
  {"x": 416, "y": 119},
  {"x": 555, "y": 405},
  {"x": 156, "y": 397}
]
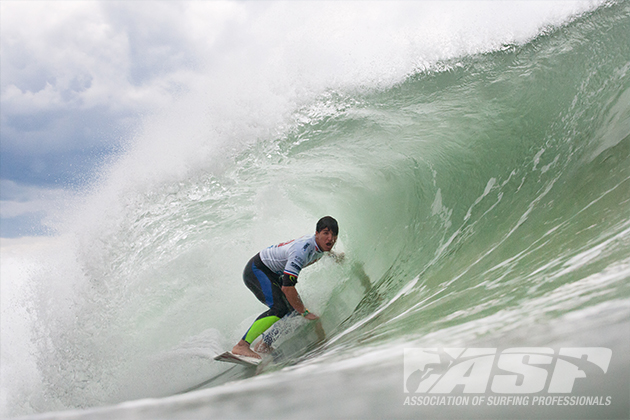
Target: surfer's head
[{"x": 326, "y": 233}]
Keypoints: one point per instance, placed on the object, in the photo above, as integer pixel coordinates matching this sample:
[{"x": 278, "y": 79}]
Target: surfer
[{"x": 272, "y": 274}]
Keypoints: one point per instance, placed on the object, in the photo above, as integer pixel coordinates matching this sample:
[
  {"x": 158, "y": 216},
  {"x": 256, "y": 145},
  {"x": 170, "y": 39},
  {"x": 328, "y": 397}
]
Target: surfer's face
[{"x": 325, "y": 239}]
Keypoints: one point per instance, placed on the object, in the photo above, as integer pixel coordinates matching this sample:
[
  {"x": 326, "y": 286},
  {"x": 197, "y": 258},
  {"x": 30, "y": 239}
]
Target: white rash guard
[{"x": 291, "y": 257}]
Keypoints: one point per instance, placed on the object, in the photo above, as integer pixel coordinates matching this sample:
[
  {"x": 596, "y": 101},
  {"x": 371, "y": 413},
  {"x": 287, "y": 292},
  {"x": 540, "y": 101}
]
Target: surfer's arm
[{"x": 294, "y": 299}]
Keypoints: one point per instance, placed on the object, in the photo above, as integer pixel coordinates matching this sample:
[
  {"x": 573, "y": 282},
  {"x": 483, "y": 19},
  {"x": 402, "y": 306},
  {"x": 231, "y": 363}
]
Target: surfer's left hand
[{"x": 311, "y": 316}]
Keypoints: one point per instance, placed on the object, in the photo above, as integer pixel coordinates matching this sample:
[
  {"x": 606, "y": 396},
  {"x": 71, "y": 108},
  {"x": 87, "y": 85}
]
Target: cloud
[
  {"x": 77, "y": 77},
  {"x": 23, "y": 208},
  {"x": 70, "y": 67},
  {"x": 123, "y": 54},
  {"x": 77, "y": 80}
]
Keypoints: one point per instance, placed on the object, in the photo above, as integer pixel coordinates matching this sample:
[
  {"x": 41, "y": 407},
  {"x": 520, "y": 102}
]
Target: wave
[{"x": 479, "y": 196}]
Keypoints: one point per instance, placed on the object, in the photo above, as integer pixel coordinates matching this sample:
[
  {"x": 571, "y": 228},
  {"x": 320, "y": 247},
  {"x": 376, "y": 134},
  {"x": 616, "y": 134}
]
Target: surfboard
[{"x": 230, "y": 357}]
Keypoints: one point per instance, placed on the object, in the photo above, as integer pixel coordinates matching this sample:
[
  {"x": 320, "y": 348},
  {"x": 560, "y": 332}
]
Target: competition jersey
[{"x": 291, "y": 257}]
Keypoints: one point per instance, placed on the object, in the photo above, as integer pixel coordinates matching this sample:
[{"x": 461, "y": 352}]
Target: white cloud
[
  {"x": 62, "y": 57},
  {"x": 19, "y": 199},
  {"x": 122, "y": 54}
]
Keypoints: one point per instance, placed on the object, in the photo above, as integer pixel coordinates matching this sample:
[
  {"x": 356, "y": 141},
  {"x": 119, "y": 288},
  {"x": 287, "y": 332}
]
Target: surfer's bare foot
[
  {"x": 263, "y": 347},
  {"x": 242, "y": 349}
]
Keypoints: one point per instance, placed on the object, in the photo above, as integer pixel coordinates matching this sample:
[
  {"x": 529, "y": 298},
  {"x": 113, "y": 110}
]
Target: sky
[
  {"x": 76, "y": 79},
  {"x": 80, "y": 79}
]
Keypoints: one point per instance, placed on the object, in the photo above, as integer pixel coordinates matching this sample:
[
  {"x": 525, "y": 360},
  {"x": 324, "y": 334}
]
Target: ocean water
[{"x": 483, "y": 195}]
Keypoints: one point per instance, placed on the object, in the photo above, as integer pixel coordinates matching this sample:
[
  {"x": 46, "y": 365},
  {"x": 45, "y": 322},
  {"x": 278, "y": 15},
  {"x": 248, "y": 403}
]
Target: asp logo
[{"x": 512, "y": 371}]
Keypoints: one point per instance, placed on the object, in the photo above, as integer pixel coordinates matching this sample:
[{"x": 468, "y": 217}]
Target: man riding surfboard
[{"x": 272, "y": 275}]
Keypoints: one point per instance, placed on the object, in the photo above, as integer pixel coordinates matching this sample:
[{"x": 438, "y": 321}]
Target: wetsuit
[{"x": 272, "y": 268}]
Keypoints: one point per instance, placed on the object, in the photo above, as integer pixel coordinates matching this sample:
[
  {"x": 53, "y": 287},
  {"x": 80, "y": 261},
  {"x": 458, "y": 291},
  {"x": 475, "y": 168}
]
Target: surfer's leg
[
  {"x": 279, "y": 308},
  {"x": 257, "y": 280},
  {"x": 283, "y": 307}
]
